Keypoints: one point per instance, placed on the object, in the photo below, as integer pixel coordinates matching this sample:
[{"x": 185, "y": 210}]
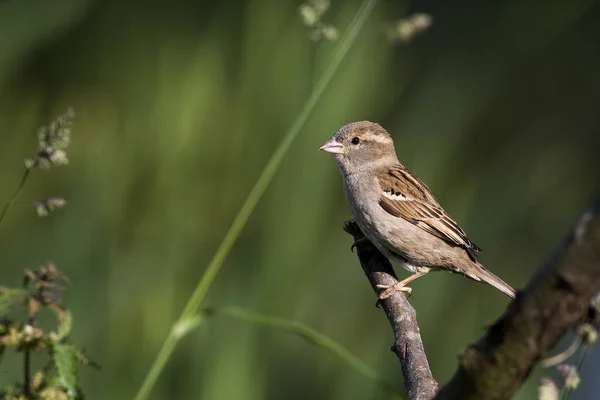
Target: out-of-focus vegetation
[
  {"x": 57, "y": 377},
  {"x": 180, "y": 105}
]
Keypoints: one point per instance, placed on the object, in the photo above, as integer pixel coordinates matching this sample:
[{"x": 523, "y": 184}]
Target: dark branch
[
  {"x": 556, "y": 299},
  {"x": 407, "y": 339}
]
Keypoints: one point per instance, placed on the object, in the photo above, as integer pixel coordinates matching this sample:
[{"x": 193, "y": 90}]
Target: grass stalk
[
  {"x": 311, "y": 336},
  {"x": 254, "y": 196},
  {"x": 14, "y": 197}
]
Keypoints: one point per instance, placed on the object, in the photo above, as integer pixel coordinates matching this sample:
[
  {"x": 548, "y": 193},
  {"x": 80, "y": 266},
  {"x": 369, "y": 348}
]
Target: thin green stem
[
  {"x": 584, "y": 354},
  {"x": 13, "y": 199},
  {"x": 312, "y": 68},
  {"x": 27, "y": 367},
  {"x": 312, "y": 336},
  {"x": 255, "y": 194}
]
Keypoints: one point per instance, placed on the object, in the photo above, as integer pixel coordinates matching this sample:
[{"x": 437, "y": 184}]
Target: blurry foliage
[
  {"x": 180, "y": 106},
  {"x": 53, "y": 142},
  {"x": 406, "y": 29},
  {"x": 57, "y": 378},
  {"x": 311, "y": 336},
  {"x": 311, "y": 13},
  {"x": 42, "y": 289},
  {"x": 548, "y": 390},
  {"x": 247, "y": 208},
  {"x": 569, "y": 375}
]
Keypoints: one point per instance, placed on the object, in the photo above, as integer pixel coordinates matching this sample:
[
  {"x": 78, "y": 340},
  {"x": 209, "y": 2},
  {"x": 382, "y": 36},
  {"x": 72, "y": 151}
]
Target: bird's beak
[{"x": 333, "y": 147}]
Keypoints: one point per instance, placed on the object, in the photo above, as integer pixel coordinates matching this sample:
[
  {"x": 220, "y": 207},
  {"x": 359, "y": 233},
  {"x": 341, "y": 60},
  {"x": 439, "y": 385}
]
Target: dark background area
[{"x": 180, "y": 105}]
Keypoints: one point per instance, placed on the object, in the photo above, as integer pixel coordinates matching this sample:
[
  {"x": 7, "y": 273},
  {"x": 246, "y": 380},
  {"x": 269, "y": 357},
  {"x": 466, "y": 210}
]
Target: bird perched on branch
[{"x": 397, "y": 212}]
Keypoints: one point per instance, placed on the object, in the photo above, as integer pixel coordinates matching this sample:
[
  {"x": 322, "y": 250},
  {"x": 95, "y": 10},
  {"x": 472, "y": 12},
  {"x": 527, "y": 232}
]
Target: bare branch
[
  {"x": 556, "y": 299},
  {"x": 402, "y": 316}
]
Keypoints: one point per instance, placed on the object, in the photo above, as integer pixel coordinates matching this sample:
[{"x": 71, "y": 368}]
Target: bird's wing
[{"x": 406, "y": 196}]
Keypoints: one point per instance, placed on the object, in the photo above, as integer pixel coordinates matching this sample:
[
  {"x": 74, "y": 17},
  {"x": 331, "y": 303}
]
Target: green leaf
[
  {"x": 64, "y": 356},
  {"x": 84, "y": 359},
  {"x": 11, "y": 299},
  {"x": 64, "y": 325}
]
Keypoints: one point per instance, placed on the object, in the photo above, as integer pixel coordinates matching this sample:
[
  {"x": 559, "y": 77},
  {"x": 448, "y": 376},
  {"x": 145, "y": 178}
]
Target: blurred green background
[{"x": 181, "y": 103}]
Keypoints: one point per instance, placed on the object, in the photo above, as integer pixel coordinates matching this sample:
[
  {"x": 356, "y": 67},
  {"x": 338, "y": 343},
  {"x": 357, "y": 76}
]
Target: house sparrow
[{"x": 397, "y": 212}]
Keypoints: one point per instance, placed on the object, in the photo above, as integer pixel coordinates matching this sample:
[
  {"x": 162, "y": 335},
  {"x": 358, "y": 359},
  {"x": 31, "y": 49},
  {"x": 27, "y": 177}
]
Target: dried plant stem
[
  {"x": 584, "y": 355},
  {"x": 27, "y": 373},
  {"x": 564, "y": 356},
  {"x": 14, "y": 197},
  {"x": 30, "y": 322},
  {"x": 27, "y": 368},
  {"x": 255, "y": 194}
]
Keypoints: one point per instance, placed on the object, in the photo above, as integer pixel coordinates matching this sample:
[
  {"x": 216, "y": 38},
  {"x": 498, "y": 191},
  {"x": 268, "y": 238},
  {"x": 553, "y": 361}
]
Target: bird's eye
[{"x": 355, "y": 140}]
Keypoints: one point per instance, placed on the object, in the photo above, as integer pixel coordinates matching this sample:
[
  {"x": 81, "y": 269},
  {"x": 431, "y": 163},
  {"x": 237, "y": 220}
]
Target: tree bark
[{"x": 556, "y": 299}]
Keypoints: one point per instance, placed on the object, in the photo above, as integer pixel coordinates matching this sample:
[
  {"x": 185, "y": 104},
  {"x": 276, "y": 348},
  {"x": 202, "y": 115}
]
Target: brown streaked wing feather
[{"x": 409, "y": 198}]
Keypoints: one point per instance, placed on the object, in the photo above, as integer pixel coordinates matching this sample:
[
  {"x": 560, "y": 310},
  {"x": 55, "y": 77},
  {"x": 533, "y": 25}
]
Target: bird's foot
[
  {"x": 399, "y": 286},
  {"x": 389, "y": 290},
  {"x": 360, "y": 242}
]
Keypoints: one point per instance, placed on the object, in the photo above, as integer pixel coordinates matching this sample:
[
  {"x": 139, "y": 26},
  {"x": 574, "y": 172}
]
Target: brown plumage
[
  {"x": 398, "y": 213},
  {"x": 406, "y": 196}
]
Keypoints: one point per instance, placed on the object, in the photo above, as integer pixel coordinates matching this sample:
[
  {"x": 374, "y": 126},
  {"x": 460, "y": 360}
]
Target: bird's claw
[
  {"x": 358, "y": 243},
  {"x": 391, "y": 289}
]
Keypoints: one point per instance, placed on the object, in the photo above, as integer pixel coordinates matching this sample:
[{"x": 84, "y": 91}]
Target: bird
[{"x": 398, "y": 213}]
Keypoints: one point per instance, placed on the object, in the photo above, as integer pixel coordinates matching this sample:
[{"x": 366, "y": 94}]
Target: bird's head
[{"x": 361, "y": 146}]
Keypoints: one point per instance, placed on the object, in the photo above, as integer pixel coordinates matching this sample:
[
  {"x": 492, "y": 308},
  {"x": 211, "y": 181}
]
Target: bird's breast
[
  {"x": 362, "y": 195},
  {"x": 398, "y": 239}
]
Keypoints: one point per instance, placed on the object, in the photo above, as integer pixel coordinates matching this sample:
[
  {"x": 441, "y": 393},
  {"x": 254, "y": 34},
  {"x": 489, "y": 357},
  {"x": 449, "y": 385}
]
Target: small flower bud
[
  {"x": 311, "y": 13},
  {"x": 421, "y": 21},
  {"x": 548, "y": 390},
  {"x": 30, "y": 163},
  {"x": 568, "y": 375},
  {"x": 308, "y": 15},
  {"x": 40, "y": 209},
  {"x": 320, "y": 6},
  {"x": 59, "y": 157},
  {"x": 46, "y": 206},
  {"x": 53, "y": 140},
  {"x": 588, "y": 333},
  {"x": 42, "y": 136},
  {"x": 407, "y": 28},
  {"x": 330, "y": 33}
]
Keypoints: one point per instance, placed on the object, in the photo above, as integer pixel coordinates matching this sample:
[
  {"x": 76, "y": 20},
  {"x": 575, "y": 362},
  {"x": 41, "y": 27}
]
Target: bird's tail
[{"x": 486, "y": 276}]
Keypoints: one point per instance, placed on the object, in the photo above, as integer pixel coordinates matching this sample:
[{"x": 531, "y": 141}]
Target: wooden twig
[
  {"x": 402, "y": 316},
  {"x": 556, "y": 299}
]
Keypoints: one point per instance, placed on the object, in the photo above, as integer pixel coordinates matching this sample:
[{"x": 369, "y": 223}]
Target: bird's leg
[
  {"x": 399, "y": 286},
  {"x": 360, "y": 242}
]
